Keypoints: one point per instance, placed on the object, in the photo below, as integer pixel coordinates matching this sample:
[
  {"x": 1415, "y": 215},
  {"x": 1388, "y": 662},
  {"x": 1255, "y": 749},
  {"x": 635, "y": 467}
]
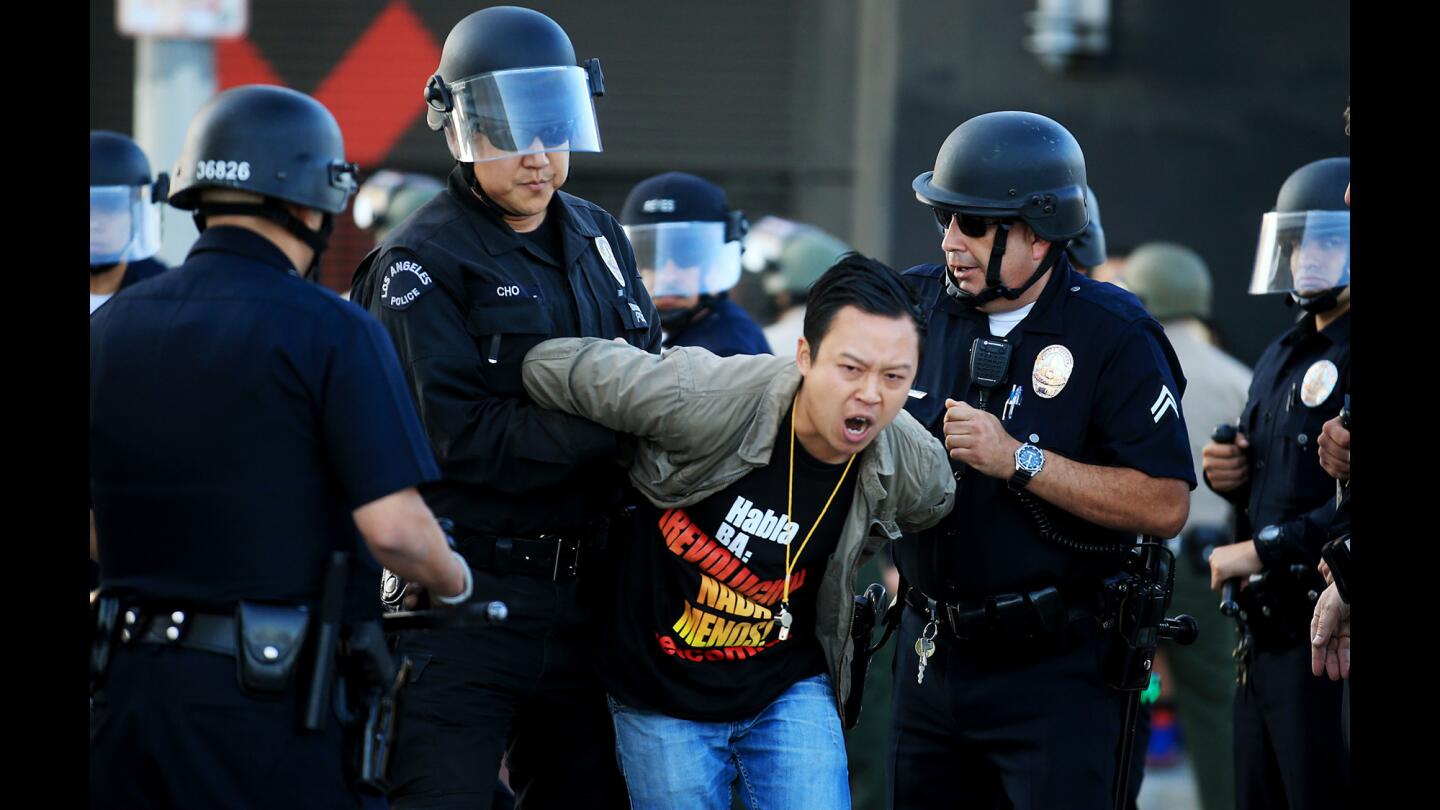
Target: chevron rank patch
[{"x": 1164, "y": 402}]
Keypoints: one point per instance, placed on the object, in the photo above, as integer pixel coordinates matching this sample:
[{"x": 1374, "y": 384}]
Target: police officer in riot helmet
[
  {"x": 125, "y": 202},
  {"x": 1066, "y": 442},
  {"x": 1288, "y": 747},
  {"x": 1087, "y": 251},
  {"x": 687, "y": 245},
  {"x": 387, "y": 197},
  {"x": 229, "y": 492},
  {"x": 498, "y": 262}
]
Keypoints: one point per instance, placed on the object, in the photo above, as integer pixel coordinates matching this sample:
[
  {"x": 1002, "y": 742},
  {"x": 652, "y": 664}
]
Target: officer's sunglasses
[
  {"x": 513, "y": 137},
  {"x": 970, "y": 225}
]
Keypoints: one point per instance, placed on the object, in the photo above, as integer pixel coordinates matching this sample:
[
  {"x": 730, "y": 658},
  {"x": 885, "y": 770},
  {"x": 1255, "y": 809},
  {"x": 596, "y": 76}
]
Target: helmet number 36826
[{"x": 222, "y": 170}]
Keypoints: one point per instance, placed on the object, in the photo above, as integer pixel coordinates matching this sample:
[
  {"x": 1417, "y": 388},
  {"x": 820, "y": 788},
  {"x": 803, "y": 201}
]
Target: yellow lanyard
[{"x": 790, "y": 510}]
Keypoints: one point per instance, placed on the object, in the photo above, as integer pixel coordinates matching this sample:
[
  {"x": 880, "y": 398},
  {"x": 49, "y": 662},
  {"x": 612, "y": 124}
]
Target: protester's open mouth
[{"x": 856, "y": 427}]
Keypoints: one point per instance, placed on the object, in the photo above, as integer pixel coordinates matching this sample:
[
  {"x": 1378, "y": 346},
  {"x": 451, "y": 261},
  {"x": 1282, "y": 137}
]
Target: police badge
[
  {"x": 602, "y": 246},
  {"x": 1052, "y": 370},
  {"x": 1320, "y": 380}
]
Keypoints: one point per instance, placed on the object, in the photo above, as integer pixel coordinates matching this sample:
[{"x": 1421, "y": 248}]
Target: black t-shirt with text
[{"x": 694, "y": 628}]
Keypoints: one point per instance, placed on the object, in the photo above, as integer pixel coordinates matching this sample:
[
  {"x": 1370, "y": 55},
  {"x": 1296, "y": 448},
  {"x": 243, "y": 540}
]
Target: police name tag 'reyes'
[{"x": 403, "y": 283}]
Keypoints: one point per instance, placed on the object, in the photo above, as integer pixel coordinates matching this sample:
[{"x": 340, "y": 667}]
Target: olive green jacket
[{"x": 704, "y": 422}]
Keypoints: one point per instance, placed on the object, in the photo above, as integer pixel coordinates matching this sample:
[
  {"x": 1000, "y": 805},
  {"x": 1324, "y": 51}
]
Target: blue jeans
[{"x": 790, "y": 756}]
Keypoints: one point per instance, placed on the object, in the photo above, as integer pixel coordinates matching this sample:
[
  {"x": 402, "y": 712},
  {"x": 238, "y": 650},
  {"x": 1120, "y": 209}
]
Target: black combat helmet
[
  {"x": 508, "y": 85},
  {"x": 124, "y": 198},
  {"x": 1305, "y": 242},
  {"x": 271, "y": 141},
  {"x": 266, "y": 140},
  {"x": 1008, "y": 166}
]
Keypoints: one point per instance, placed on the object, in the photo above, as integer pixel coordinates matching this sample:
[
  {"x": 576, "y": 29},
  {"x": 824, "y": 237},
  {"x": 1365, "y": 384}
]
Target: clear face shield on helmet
[
  {"x": 509, "y": 113},
  {"x": 1305, "y": 253},
  {"x": 124, "y": 224},
  {"x": 683, "y": 259}
]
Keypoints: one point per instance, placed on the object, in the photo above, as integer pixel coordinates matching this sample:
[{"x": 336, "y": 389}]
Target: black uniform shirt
[
  {"x": 1287, "y": 485},
  {"x": 238, "y": 415},
  {"x": 725, "y": 330},
  {"x": 1118, "y": 407},
  {"x": 464, "y": 298},
  {"x": 139, "y": 271}
]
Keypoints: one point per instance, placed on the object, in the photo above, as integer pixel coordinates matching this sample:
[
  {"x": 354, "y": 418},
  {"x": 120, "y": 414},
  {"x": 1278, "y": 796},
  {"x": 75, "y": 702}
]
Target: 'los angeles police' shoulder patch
[{"x": 403, "y": 282}]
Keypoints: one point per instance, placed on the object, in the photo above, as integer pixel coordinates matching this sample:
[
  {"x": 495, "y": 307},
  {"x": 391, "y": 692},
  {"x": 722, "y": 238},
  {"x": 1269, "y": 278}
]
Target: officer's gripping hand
[
  {"x": 977, "y": 438},
  {"x": 416, "y": 597},
  {"x": 1234, "y": 560},
  {"x": 1324, "y": 569},
  {"x": 1330, "y": 636},
  {"x": 1227, "y": 466},
  {"x": 1335, "y": 449}
]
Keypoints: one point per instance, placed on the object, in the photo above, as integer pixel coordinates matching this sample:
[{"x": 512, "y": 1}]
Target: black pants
[
  {"x": 171, "y": 728},
  {"x": 526, "y": 684},
  {"x": 1027, "y": 726},
  {"x": 1288, "y": 747}
]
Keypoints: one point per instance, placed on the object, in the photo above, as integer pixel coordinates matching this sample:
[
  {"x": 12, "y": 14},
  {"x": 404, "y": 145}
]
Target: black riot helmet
[
  {"x": 124, "y": 202},
  {"x": 508, "y": 85},
  {"x": 687, "y": 242},
  {"x": 1304, "y": 245},
  {"x": 1088, "y": 249},
  {"x": 271, "y": 141},
  {"x": 1003, "y": 167}
]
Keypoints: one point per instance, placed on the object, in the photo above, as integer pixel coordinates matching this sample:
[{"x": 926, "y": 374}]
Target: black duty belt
[
  {"x": 1006, "y": 616},
  {"x": 180, "y": 628},
  {"x": 552, "y": 557}
]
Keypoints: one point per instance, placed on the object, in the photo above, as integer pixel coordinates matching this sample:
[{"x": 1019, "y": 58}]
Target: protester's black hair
[{"x": 862, "y": 282}]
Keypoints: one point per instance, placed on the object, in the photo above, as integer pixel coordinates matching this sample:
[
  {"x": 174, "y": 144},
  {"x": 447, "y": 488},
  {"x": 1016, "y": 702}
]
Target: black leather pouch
[{"x": 271, "y": 638}]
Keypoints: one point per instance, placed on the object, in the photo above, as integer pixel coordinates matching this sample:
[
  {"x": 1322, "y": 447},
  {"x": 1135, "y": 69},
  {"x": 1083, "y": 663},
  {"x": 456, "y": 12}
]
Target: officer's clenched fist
[
  {"x": 977, "y": 438},
  {"x": 1227, "y": 466},
  {"x": 1335, "y": 449}
]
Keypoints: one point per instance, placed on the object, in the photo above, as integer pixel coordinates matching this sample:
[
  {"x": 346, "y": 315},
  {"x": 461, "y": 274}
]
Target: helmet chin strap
[
  {"x": 1324, "y": 302},
  {"x": 275, "y": 211},
  {"x": 994, "y": 288},
  {"x": 484, "y": 198},
  {"x": 676, "y": 321}
]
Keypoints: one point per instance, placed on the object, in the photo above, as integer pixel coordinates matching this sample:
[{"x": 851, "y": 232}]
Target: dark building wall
[
  {"x": 1189, "y": 125},
  {"x": 703, "y": 87}
]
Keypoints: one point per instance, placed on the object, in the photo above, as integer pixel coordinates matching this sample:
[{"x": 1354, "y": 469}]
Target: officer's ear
[
  {"x": 1038, "y": 247},
  {"x": 312, "y": 218}
]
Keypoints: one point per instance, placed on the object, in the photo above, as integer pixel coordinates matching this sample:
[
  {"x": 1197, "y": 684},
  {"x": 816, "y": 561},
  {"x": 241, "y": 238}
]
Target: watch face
[
  {"x": 1029, "y": 458},
  {"x": 1269, "y": 533}
]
